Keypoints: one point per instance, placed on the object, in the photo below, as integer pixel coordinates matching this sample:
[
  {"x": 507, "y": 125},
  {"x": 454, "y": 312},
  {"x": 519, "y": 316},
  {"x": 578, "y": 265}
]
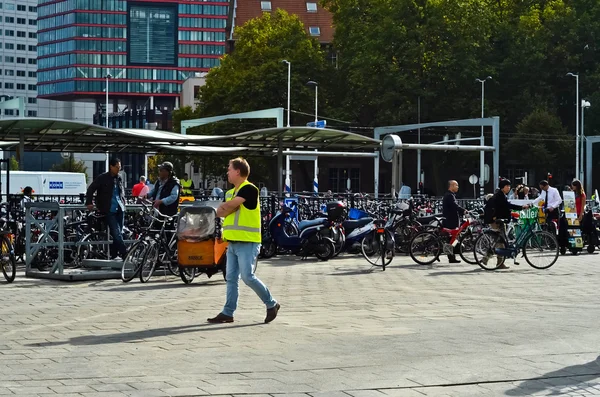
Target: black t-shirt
[{"x": 250, "y": 193}]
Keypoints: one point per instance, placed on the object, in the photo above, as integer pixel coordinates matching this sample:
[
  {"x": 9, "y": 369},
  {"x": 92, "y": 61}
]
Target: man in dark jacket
[
  {"x": 166, "y": 190},
  {"x": 110, "y": 201},
  {"x": 502, "y": 210},
  {"x": 452, "y": 212}
]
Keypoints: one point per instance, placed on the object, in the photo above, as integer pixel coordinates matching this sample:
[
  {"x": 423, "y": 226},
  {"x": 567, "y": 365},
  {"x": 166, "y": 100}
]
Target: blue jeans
[
  {"x": 240, "y": 262},
  {"x": 115, "y": 220}
]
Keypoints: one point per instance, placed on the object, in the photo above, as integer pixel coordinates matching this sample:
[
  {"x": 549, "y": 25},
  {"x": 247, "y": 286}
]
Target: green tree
[
  {"x": 70, "y": 165},
  {"x": 14, "y": 164},
  {"x": 253, "y": 77},
  {"x": 541, "y": 143}
]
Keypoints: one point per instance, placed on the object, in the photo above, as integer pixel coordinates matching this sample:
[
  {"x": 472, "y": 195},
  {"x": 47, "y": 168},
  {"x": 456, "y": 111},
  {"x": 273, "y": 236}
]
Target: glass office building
[{"x": 149, "y": 48}]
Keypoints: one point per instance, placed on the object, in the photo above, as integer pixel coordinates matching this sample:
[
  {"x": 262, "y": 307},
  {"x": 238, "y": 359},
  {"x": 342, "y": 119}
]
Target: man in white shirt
[{"x": 552, "y": 200}]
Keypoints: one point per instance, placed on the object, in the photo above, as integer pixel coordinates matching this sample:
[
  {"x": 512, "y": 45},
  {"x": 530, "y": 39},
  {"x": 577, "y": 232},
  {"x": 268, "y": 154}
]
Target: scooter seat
[
  {"x": 311, "y": 222},
  {"x": 355, "y": 224}
]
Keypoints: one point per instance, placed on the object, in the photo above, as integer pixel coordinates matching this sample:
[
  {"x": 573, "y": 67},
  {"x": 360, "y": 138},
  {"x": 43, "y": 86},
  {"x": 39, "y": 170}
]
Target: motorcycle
[{"x": 310, "y": 240}]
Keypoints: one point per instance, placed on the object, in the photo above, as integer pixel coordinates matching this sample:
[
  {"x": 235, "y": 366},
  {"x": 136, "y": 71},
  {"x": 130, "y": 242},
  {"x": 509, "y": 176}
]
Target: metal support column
[
  {"x": 496, "y": 145},
  {"x": 280, "y": 168}
]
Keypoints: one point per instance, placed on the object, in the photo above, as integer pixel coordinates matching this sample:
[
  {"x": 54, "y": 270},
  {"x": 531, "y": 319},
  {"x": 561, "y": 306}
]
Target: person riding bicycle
[
  {"x": 451, "y": 211},
  {"x": 165, "y": 193},
  {"x": 500, "y": 209}
]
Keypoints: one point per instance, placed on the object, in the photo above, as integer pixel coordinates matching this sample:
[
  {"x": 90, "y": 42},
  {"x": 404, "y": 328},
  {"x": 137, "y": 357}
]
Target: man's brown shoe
[
  {"x": 272, "y": 313},
  {"x": 220, "y": 319}
]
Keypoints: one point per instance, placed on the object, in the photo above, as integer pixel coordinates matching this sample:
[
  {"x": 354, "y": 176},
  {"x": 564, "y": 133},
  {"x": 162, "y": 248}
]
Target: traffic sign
[
  {"x": 473, "y": 179},
  {"x": 318, "y": 124}
]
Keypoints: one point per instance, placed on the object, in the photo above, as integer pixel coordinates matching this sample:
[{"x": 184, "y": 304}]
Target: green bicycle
[{"x": 540, "y": 248}]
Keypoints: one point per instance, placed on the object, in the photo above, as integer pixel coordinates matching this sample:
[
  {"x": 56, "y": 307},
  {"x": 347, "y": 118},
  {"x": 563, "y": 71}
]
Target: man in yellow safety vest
[
  {"x": 186, "y": 185},
  {"x": 241, "y": 229}
]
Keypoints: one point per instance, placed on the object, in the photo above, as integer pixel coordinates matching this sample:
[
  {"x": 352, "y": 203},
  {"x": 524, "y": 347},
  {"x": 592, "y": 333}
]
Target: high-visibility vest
[
  {"x": 186, "y": 187},
  {"x": 244, "y": 224}
]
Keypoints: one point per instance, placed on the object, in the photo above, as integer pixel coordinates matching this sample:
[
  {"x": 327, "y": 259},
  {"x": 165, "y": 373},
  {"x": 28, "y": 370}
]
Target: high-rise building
[
  {"x": 18, "y": 29},
  {"x": 147, "y": 49}
]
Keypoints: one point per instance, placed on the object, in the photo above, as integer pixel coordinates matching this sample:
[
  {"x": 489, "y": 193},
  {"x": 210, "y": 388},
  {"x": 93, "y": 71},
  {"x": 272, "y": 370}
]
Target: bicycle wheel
[
  {"x": 149, "y": 262},
  {"x": 425, "y": 248},
  {"x": 187, "y": 274},
  {"x": 466, "y": 248},
  {"x": 8, "y": 260},
  {"x": 541, "y": 250},
  {"x": 485, "y": 250},
  {"x": 133, "y": 261},
  {"x": 375, "y": 251}
]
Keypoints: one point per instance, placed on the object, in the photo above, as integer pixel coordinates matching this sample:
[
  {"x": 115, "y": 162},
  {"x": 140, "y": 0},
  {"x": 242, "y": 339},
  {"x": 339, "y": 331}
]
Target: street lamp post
[
  {"x": 576, "y": 123},
  {"x": 316, "y": 85},
  {"x": 482, "y": 140},
  {"x": 289, "y": 88},
  {"x": 108, "y": 76},
  {"x": 584, "y": 105}
]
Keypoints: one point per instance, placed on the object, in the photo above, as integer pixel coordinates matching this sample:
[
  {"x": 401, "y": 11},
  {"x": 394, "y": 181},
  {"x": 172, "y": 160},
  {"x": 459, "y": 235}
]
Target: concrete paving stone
[
  {"x": 104, "y": 394},
  {"x": 32, "y": 390},
  {"x": 365, "y": 393},
  {"x": 185, "y": 391},
  {"x": 111, "y": 387},
  {"x": 72, "y": 389},
  {"x": 403, "y": 392}
]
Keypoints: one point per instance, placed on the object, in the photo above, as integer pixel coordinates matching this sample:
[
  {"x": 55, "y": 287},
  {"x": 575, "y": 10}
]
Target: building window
[
  {"x": 9, "y": 72},
  {"x": 21, "y": 47},
  {"x": 21, "y": 21},
  {"x": 338, "y": 179},
  {"x": 10, "y": 46},
  {"x": 152, "y": 35},
  {"x": 9, "y": 20},
  {"x": 21, "y": 33},
  {"x": 21, "y": 87},
  {"x": 21, "y": 8},
  {"x": 32, "y": 74},
  {"x": 31, "y": 100},
  {"x": 31, "y": 87},
  {"x": 10, "y": 6},
  {"x": 32, "y": 9},
  {"x": 311, "y": 7},
  {"x": 265, "y": 5},
  {"x": 20, "y": 60},
  {"x": 31, "y": 61},
  {"x": 32, "y": 48},
  {"x": 32, "y": 35},
  {"x": 314, "y": 31},
  {"x": 21, "y": 73},
  {"x": 9, "y": 86},
  {"x": 9, "y": 59},
  {"x": 33, "y": 22},
  {"x": 9, "y": 112},
  {"x": 31, "y": 113}
]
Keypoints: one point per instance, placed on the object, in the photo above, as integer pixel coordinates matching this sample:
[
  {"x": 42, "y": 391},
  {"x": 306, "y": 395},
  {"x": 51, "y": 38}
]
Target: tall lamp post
[
  {"x": 584, "y": 105},
  {"x": 316, "y": 177},
  {"x": 316, "y": 85},
  {"x": 576, "y": 123},
  {"x": 108, "y": 77},
  {"x": 289, "y": 87},
  {"x": 482, "y": 153}
]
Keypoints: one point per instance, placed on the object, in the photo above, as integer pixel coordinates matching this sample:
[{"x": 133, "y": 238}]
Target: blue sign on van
[{"x": 56, "y": 185}]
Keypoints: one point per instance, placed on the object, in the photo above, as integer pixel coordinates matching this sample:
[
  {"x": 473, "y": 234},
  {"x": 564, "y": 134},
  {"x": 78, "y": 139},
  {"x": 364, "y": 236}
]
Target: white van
[{"x": 60, "y": 183}]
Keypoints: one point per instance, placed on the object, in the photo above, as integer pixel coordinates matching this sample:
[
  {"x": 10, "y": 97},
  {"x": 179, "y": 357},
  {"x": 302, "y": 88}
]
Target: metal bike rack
[{"x": 92, "y": 269}]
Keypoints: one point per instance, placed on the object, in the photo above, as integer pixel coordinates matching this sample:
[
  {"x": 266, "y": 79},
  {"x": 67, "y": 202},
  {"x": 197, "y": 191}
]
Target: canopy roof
[{"x": 56, "y": 135}]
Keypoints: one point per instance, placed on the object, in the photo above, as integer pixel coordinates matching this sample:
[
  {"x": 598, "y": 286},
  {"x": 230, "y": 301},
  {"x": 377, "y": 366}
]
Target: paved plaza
[{"x": 445, "y": 330}]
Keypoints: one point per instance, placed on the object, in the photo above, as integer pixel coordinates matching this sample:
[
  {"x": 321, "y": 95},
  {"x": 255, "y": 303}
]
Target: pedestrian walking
[
  {"x": 452, "y": 212},
  {"x": 241, "y": 229},
  {"x": 110, "y": 202}
]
